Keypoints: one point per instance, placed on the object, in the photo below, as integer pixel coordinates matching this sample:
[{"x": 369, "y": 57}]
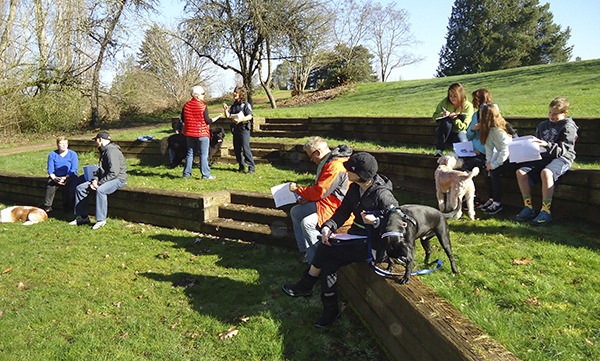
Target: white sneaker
[
  {"x": 99, "y": 225},
  {"x": 486, "y": 204},
  {"x": 438, "y": 153},
  {"x": 79, "y": 221}
]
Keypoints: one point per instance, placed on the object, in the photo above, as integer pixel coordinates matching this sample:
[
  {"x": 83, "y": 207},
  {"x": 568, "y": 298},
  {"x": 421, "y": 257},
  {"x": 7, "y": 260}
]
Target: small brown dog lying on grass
[
  {"x": 30, "y": 215},
  {"x": 452, "y": 186}
]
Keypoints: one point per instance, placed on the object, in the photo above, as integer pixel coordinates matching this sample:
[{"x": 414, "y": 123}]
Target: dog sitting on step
[{"x": 30, "y": 215}]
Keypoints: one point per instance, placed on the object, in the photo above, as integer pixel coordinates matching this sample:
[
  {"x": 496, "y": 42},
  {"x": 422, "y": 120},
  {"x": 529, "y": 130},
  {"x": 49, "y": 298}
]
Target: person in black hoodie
[
  {"x": 111, "y": 175},
  {"x": 368, "y": 192}
]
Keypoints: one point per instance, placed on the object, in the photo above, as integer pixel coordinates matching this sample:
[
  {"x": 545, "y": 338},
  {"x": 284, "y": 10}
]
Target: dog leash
[{"x": 381, "y": 272}]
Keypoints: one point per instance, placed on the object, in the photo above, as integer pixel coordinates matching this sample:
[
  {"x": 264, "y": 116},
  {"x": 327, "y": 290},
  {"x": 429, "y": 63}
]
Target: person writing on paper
[
  {"x": 369, "y": 191},
  {"x": 111, "y": 176},
  {"x": 496, "y": 134},
  {"x": 556, "y": 138},
  {"x": 453, "y": 115},
  {"x": 318, "y": 202},
  {"x": 62, "y": 173},
  {"x": 240, "y": 114}
]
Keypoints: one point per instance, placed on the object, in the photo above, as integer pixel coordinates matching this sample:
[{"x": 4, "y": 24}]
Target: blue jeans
[
  {"x": 81, "y": 198},
  {"x": 195, "y": 145},
  {"x": 445, "y": 135},
  {"x": 241, "y": 148},
  {"x": 304, "y": 220}
]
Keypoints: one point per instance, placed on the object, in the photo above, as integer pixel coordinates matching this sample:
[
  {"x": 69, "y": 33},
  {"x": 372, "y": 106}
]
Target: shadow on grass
[{"x": 226, "y": 294}]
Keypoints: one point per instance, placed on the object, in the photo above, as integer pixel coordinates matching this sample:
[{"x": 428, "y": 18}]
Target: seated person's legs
[
  {"x": 548, "y": 176},
  {"x": 298, "y": 213},
  {"x": 443, "y": 131}
]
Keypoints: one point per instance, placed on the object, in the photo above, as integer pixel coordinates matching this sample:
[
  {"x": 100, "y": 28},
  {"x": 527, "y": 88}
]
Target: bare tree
[
  {"x": 351, "y": 25},
  {"x": 390, "y": 38}
]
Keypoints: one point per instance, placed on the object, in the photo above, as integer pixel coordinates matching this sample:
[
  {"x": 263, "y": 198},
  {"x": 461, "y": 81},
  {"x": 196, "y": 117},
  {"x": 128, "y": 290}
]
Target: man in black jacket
[
  {"x": 111, "y": 175},
  {"x": 368, "y": 192}
]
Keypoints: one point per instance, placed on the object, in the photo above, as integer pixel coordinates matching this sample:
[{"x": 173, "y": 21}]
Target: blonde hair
[
  {"x": 60, "y": 139},
  {"x": 489, "y": 117},
  {"x": 461, "y": 95},
  {"x": 561, "y": 104}
]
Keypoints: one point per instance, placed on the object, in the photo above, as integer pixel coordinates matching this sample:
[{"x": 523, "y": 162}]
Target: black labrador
[
  {"x": 177, "y": 146},
  {"x": 401, "y": 228}
]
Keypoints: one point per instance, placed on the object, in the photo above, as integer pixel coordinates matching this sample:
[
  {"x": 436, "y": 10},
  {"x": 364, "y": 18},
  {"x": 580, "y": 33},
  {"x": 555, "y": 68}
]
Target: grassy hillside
[{"x": 523, "y": 91}]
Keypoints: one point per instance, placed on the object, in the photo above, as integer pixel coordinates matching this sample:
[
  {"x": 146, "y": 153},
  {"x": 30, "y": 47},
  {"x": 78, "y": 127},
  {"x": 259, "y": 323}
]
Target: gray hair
[
  {"x": 315, "y": 143},
  {"x": 197, "y": 91}
]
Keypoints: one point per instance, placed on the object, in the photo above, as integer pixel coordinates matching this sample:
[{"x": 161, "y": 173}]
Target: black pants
[
  {"x": 495, "y": 181},
  {"x": 241, "y": 148},
  {"x": 330, "y": 258},
  {"x": 444, "y": 134},
  {"x": 68, "y": 195}
]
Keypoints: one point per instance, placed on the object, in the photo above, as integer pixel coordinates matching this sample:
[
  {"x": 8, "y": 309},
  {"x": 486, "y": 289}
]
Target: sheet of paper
[
  {"x": 524, "y": 149},
  {"x": 282, "y": 195},
  {"x": 347, "y": 237},
  {"x": 464, "y": 149}
]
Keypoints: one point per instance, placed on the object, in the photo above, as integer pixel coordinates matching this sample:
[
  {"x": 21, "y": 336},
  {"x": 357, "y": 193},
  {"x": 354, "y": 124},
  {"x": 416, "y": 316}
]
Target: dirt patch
[{"x": 318, "y": 96}]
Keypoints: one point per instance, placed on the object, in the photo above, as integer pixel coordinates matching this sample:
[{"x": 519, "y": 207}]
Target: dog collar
[{"x": 387, "y": 234}]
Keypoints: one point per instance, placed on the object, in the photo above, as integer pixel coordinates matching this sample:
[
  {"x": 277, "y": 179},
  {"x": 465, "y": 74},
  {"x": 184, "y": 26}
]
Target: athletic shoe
[
  {"x": 99, "y": 225},
  {"x": 438, "y": 153},
  {"x": 79, "y": 221},
  {"x": 486, "y": 204},
  {"x": 525, "y": 214},
  {"x": 494, "y": 208},
  {"x": 210, "y": 177},
  {"x": 542, "y": 219}
]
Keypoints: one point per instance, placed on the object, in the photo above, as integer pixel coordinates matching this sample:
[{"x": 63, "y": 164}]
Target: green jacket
[{"x": 459, "y": 125}]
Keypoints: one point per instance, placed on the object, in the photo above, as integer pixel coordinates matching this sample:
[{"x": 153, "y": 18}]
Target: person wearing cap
[
  {"x": 197, "y": 132},
  {"x": 369, "y": 191},
  {"x": 318, "y": 202},
  {"x": 111, "y": 175}
]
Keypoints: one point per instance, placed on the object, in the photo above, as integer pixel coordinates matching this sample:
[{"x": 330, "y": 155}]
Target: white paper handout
[
  {"x": 464, "y": 149},
  {"x": 282, "y": 195},
  {"x": 524, "y": 149},
  {"x": 347, "y": 237}
]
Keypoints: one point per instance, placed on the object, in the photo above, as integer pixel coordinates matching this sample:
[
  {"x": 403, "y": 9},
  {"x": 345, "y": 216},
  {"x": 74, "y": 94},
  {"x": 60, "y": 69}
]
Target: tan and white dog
[
  {"x": 30, "y": 215},
  {"x": 452, "y": 186}
]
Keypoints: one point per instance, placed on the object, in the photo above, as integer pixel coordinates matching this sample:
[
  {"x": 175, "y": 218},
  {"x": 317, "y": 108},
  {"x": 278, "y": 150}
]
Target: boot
[
  {"x": 304, "y": 287},
  {"x": 330, "y": 311}
]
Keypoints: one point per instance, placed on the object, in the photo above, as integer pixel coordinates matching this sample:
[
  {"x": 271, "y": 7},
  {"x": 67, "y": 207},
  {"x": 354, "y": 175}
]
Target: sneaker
[
  {"x": 494, "y": 208},
  {"x": 99, "y": 225},
  {"x": 438, "y": 153},
  {"x": 79, "y": 221},
  {"x": 486, "y": 204},
  {"x": 210, "y": 177},
  {"x": 542, "y": 219},
  {"x": 525, "y": 214}
]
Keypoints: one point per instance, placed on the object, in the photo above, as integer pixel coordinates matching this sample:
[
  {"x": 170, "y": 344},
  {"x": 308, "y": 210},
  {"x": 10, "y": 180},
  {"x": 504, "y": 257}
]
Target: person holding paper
[
  {"x": 318, "y": 202},
  {"x": 556, "y": 137},
  {"x": 240, "y": 114},
  {"x": 496, "y": 134},
  {"x": 62, "y": 173},
  {"x": 111, "y": 176},
  {"x": 453, "y": 115},
  {"x": 369, "y": 191}
]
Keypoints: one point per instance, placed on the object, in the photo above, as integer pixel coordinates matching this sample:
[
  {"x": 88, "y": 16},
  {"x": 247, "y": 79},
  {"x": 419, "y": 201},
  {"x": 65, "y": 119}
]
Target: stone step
[
  {"x": 276, "y": 234},
  {"x": 249, "y": 213},
  {"x": 281, "y": 134}
]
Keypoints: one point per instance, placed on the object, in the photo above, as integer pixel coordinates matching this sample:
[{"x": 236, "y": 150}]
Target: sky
[{"x": 429, "y": 20}]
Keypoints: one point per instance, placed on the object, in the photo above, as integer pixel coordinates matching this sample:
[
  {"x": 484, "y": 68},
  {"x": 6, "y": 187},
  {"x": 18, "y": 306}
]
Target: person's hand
[
  {"x": 325, "y": 234},
  {"x": 477, "y": 152},
  {"x": 94, "y": 184},
  {"x": 476, "y": 127},
  {"x": 60, "y": 180},
  {"x": 293, "y": 187},
  {"x": 369, "y": 219},
  {"x": 488, "y": 166},
  {"x": 225, "y": 107}
]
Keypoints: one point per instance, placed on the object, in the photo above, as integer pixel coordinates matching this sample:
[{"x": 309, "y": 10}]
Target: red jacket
[
  {"x": 195, "y": 119},
  {"x": 329, "y": 189}
]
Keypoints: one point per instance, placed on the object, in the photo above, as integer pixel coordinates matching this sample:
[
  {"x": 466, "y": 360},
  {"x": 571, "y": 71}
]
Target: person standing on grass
[
  {"x": 196, "y": 131},
  {"x": 453, "y": 116},
  {"x": 368, "y": 192},
  {"x": 62, "y": 173},
  {"x": 318, "y": 202},
  {"x": 556, "y": 138},
  {"x": 111, "y": 176},
  {"x": 496, "y": 134},
  {"x": 240, "y": 114}
]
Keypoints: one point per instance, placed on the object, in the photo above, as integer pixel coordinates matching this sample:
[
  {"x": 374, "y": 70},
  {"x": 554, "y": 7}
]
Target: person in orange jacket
[{"x": 318, "y": 202}]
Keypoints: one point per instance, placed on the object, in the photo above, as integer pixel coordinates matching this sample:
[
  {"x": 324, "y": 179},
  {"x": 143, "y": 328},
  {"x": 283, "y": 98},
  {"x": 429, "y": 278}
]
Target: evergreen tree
[{"x": 486, "y": 35}]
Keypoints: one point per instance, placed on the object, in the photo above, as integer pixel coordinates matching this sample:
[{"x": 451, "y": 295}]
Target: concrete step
[
  {"x": 262, "y": 215},
  {"x": 275, "y": 234}
]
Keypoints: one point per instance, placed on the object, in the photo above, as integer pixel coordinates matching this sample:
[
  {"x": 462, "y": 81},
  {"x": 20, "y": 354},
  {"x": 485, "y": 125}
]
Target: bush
[{"x": 62, "y": 111}]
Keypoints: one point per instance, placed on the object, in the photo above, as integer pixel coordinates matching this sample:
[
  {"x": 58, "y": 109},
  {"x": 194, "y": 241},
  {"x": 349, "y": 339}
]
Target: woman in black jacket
[{"x": 368, "y": 192}]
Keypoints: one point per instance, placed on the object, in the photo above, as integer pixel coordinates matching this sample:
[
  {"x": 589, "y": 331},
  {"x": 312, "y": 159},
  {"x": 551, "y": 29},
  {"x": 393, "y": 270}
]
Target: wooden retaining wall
[
  {"x": 410, "y": 321},
  {"x": 420, "y": 131}
]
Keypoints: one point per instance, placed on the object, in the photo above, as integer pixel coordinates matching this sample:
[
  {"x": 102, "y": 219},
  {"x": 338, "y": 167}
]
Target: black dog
[
  {"x": 177, "y": 147},
  {"x": 402, "y": 227}
]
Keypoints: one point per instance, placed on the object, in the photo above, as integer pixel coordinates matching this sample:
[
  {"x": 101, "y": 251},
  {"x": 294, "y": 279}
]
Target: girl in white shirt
[{"x": 496, "y": 134}]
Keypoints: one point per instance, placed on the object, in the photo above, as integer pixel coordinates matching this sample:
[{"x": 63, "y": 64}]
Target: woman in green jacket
[{"x": 453, "y": 116}]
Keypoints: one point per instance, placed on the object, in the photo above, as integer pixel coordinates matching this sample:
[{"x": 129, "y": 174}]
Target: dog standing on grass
[
  {"x": 176, "y": 148},
  {"x": 452, "y": 185}
]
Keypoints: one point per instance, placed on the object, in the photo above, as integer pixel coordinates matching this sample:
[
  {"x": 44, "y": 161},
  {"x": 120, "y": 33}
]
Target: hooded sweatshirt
[
  {"x": 112, "y": 164},
  {"x": 561, "y": 137}
]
